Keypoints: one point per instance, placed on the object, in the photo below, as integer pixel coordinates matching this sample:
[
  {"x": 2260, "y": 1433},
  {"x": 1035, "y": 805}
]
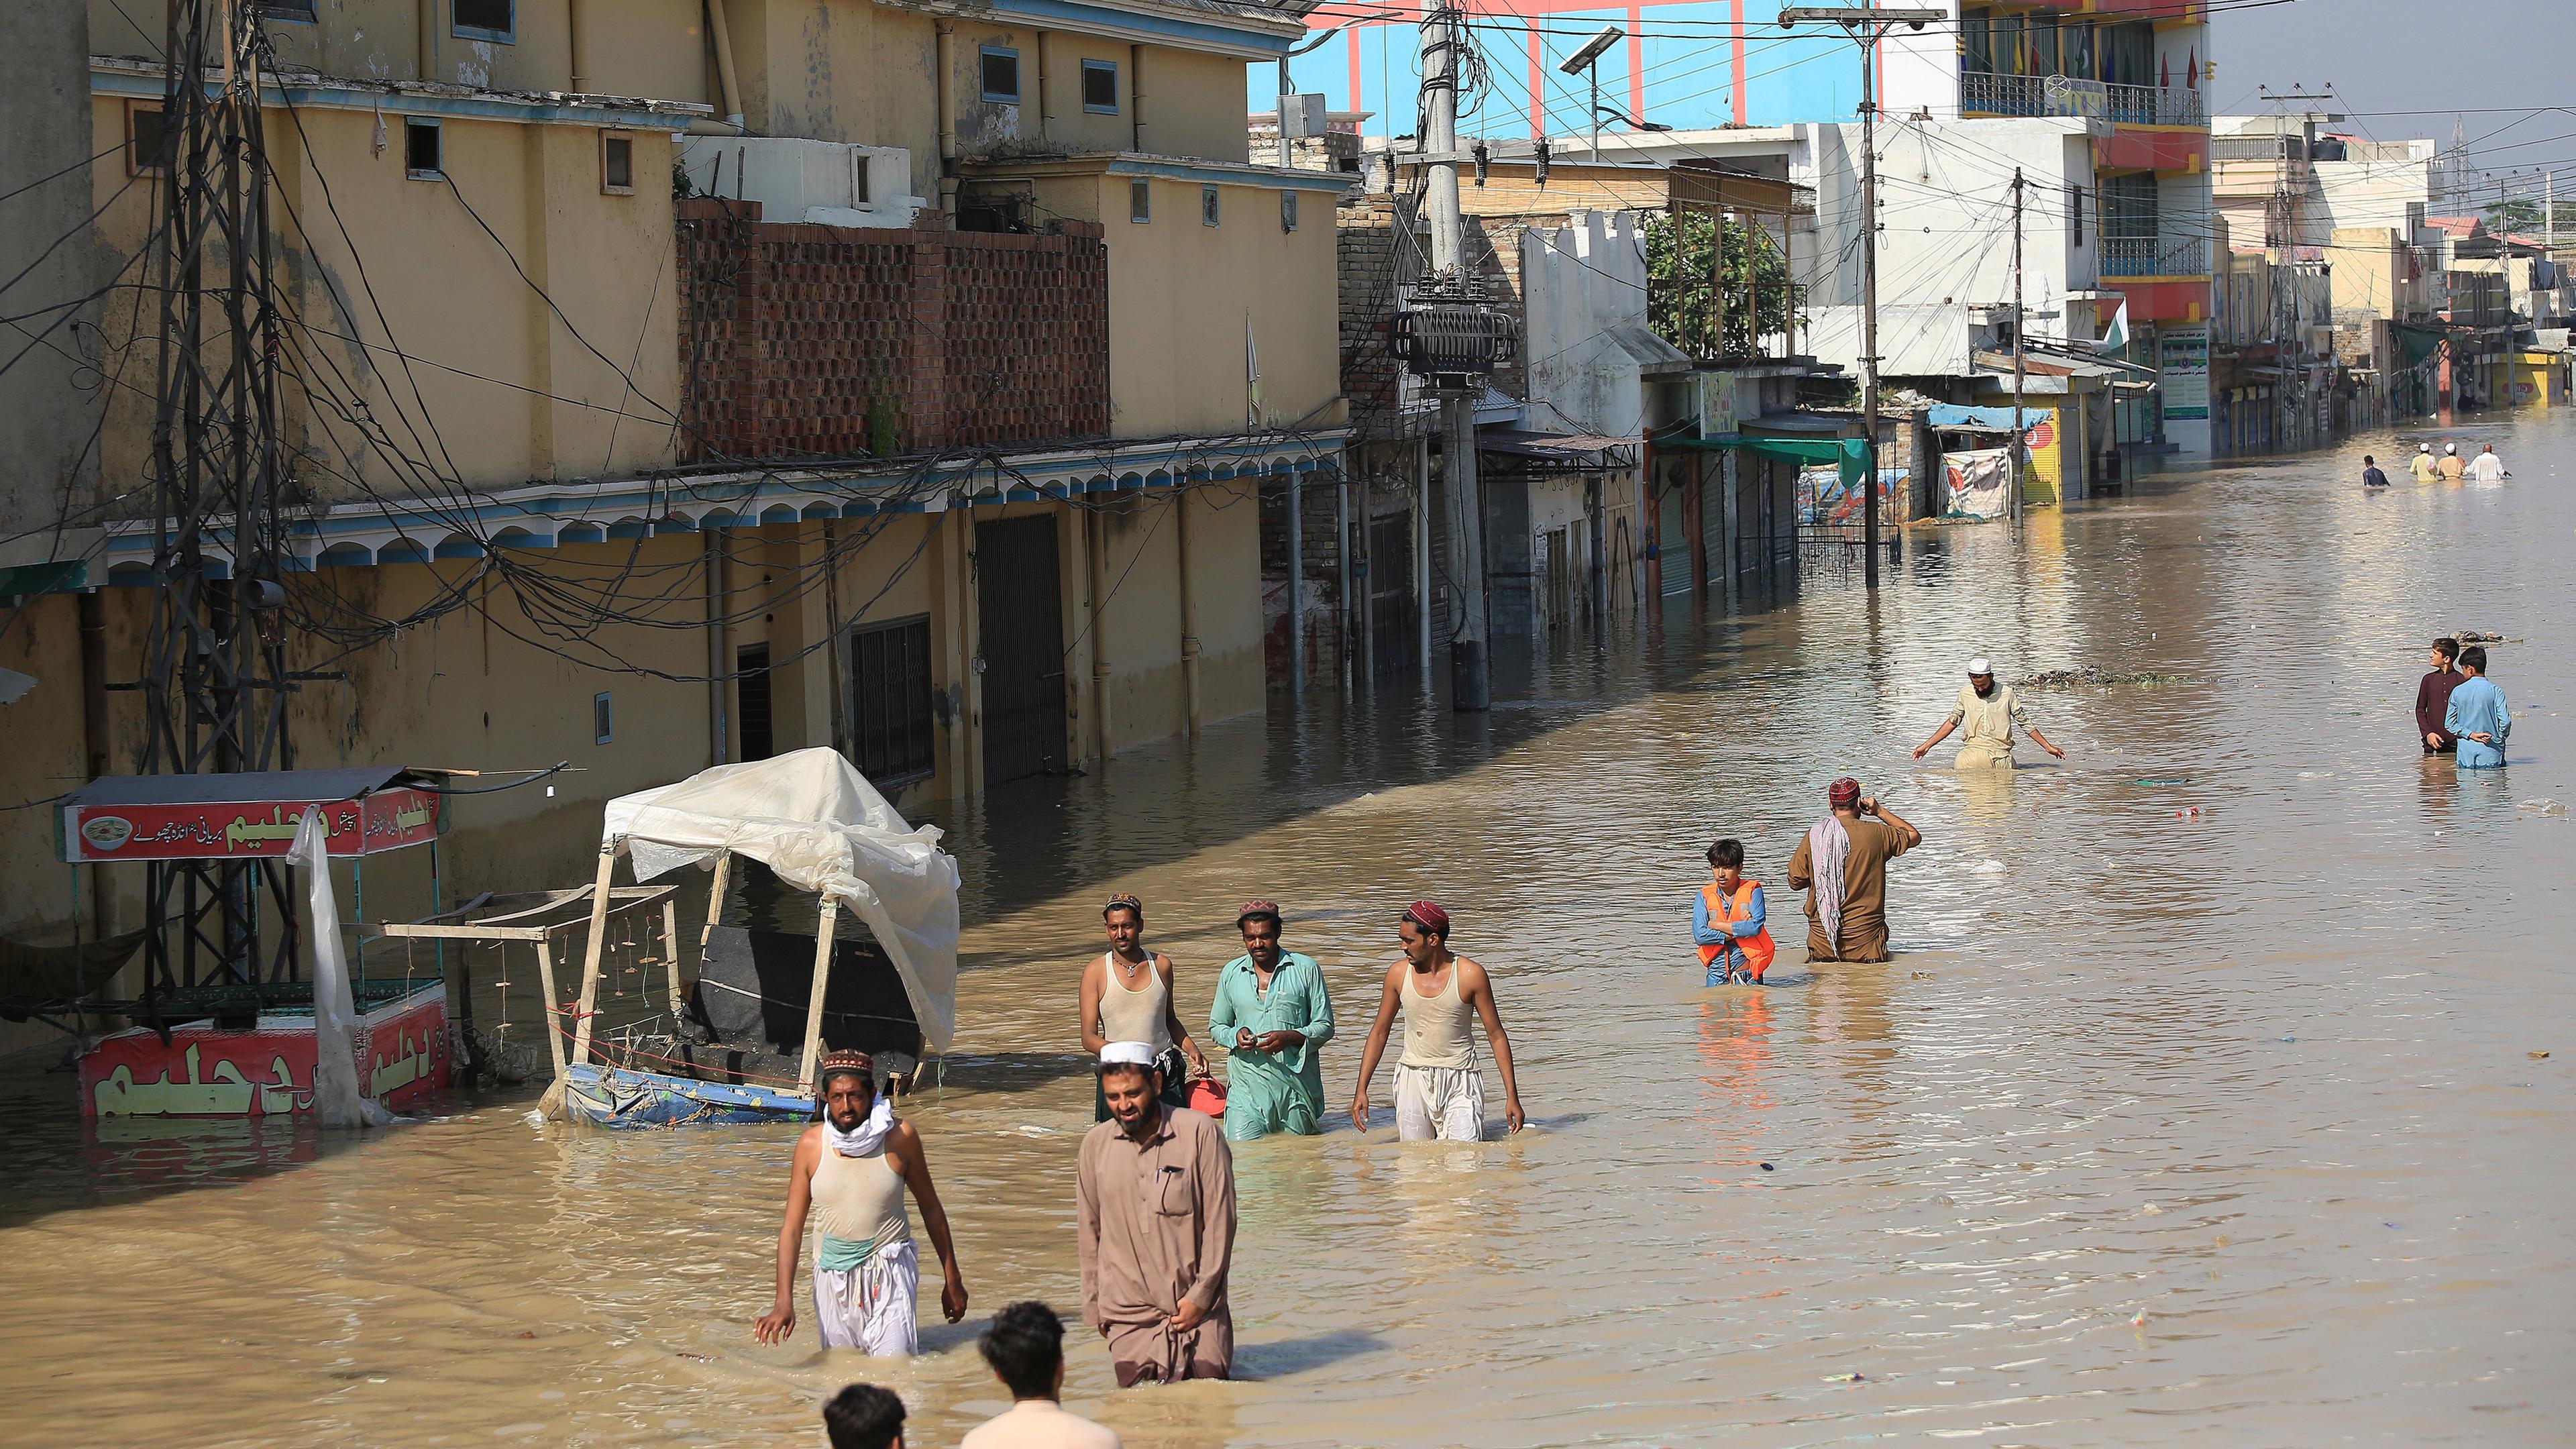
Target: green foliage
[
  {"x": 881, "y": 424},
  {"x": 1753, "y": 274},
  {"x": 2524, "y": 216},
  {"x": 682, "y": 188}
]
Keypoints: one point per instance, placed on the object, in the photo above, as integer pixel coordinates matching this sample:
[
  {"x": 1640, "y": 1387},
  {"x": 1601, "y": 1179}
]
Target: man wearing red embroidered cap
[
  {"x": 1439, "y": 1093},
  {"x": 1842, "y": 864},
  {"x": 1272, "y": 1013}
]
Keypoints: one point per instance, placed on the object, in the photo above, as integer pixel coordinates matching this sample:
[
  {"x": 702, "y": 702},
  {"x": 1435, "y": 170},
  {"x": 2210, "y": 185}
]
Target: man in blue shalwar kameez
[
  {"x": 2477, "y": 716},
  {"x": 1272, "y": 1014}
]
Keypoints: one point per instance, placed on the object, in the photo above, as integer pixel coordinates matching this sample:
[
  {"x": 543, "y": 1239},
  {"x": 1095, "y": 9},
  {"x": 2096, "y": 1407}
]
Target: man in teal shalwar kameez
[{"x": 1272, "y": 1014}]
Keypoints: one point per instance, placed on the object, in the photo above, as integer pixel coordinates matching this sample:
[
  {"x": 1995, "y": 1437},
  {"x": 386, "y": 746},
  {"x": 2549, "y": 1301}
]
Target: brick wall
[{"x": 790, "y": 334}]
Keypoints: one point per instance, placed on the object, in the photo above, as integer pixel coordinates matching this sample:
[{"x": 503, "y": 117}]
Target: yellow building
[{"x": 525, "y": 526}]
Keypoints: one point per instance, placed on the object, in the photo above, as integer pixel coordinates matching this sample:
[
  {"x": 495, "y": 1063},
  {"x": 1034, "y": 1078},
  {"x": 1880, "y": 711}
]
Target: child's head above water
[{"x": 1726, "y": 857}]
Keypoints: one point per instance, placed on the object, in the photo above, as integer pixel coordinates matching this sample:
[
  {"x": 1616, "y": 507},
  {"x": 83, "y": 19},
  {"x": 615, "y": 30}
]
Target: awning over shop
[
  {"x": 1956, "y": 417},
  {"x": 1559, "y": 452},
  {"x": 59, "y": 576},
  {"x": 1848, "y": 456}
]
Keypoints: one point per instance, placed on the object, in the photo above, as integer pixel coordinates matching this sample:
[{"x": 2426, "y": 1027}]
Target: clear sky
[{"x": 2508, "y": 65}]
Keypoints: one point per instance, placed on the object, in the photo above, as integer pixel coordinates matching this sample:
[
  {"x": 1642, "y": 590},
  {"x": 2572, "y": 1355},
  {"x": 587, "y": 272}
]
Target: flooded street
[{"x": 2158, "y": 1123}]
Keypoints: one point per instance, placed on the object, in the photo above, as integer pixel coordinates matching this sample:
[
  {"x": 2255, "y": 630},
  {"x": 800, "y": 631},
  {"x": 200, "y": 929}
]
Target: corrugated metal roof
[{"x": 315, "y": 786}]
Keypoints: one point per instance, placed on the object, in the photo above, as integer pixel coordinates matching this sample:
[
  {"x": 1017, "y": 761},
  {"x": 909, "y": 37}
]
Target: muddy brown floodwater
[{"x": 2221, "y": 1126}]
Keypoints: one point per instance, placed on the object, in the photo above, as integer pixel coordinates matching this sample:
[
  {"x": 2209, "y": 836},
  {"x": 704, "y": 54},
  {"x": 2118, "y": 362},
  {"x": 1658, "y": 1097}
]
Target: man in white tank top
[
  {"x": 1127, "y": 995},
  {"x": 850, "y": 1173},
  {"x": 1439, "y": 1093}
]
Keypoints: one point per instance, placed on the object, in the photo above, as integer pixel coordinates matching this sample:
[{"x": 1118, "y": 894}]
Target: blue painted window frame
[
  {"x": 1091, "y": 67},
  {"x": 993, "y": 97}
]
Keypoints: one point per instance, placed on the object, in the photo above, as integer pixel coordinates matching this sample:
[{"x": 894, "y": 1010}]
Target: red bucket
[{"x": 1207, "y": 1095}]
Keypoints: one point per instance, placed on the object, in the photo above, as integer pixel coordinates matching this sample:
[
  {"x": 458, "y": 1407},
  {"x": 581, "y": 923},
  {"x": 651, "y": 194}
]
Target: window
[
  {"x": 2075, "y": 210},
  {"x": 861, "y": 193},
  {"x": 1100, "y": 87},
  {"x": 753, "y": 740},
  {"x": 143, "y": 141},
  {"x": 1140, "y": 201},
  {"x": 616, "y": 163},
  {"x": 487, "y": 20},
  {"x": 1287, "y": 211},
  {"x": 601, "y": 719},
  {"x": 421, "y": 159},
  {"x": 1207, "y": 206},
  {"x": 287, "y": 10},
  {"x": 890, "y": 724},
  {"x": 1001, "y": 75}
]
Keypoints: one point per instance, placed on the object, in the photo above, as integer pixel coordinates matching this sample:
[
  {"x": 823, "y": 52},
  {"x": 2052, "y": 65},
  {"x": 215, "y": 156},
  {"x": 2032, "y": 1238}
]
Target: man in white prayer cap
[
  {"x": 1154, "y": 1210},
  {"x": 1990, "y": 711}
]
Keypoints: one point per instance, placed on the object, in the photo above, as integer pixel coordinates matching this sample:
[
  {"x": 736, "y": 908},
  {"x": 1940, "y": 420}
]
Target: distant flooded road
[{"x": 2201, "y": 1100}]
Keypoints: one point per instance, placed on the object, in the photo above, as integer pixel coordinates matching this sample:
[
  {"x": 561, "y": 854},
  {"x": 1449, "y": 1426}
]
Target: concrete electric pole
[
  {"x": 1471, "y": 686},
  {"x": 1866, "y": 27},
  {"x": 2012, "y": 489}
]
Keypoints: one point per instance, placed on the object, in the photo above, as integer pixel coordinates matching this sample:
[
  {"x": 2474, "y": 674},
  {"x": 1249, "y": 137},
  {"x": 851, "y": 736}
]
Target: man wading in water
[
  {"x": 1990, "y": 711},
  {"x": 851, "y": 1170},
  {"x": 1843, "y": 863},
  {"x": 1126, "y": 995},
  {"x": 1154, "y": 1214},
  {"x": 1439, "y": 1093},
  {"x": 1272, "y": 1013}
]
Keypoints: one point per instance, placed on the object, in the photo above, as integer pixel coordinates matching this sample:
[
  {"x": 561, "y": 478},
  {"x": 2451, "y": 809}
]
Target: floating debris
[
  {"x": 2535, "y": 1056},
  {"x": 1850, "y": 1378},
  {"x": 2185, "y": 780},
  {"x": 2090, "y": 676},
  {"x": 1766, "y": 1167},
  {"x": 2140, "y": 1321},
  {"x": 1987, "y": 867},
  {"x": 2189, "y": 813},
  {"x": 2544, "y": 806},
  {"x": 2472, "y": 636}
]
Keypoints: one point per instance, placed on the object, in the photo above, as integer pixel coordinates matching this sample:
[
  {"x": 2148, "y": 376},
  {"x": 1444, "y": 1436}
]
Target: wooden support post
[
  {"x": 546, "y": 1019},
  {"x": 671, "y": 954},
  {"x": 715, "y": 906},
  {"x": 591, "y": 950},
  {"x": 830, "y": 916}
]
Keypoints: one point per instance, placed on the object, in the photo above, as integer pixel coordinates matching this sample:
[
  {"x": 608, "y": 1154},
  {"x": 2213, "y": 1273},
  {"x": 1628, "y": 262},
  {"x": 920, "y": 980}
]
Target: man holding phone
[{"x": 1272, "y": 1013}]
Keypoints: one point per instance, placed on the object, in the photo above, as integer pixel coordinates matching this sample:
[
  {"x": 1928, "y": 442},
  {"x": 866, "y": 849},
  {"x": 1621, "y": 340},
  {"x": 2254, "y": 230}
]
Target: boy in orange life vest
[{"x": 1726, "y": 920}]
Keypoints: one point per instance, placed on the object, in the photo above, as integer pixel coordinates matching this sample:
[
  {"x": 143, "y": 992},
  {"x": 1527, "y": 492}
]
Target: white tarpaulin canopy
[{"x": 819, "y": 826}]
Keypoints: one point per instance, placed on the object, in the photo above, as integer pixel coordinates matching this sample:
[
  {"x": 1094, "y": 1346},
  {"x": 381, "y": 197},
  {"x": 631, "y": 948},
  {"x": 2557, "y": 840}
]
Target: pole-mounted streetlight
[
  {"x": 1865, "y": 27},
  {"x": 1587, "y": 62}
]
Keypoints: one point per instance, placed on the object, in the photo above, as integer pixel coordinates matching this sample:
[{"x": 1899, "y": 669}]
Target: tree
[
  {"x": 1678, "y": 299},
  {"x": 2524, "y": 216}
]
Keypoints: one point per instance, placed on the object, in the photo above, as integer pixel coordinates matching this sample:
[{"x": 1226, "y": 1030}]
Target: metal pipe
[
  {"x": 1189, "y": 613},
  {"x": 1097, "y": 546},
  {"x": 719, "y": 748},
  {"x": 726, "y": 81},
  {"x": 572, "y": 46},
  {"x": 1046, "y": 97},
  {"x": 1135, "y": 98},
  {"x": 1296, "y": 585},
  {"x": 945, "y": 97},
  {"x": 1342, "y": 584}
]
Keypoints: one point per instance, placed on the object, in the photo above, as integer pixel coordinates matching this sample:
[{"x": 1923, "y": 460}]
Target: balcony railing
[
  {"x": 2057, "y": 95},
  {"x": 2147, "y": 256}
]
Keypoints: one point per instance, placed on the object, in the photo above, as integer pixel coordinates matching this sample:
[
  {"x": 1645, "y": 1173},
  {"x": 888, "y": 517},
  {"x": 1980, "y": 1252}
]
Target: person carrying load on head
[
  {"x": 1273, "y": 1014},
  {"x": 1727, "y": 920},
  {"x": 850, "y": 1172},
  {"x": 1128, "y": 994}
]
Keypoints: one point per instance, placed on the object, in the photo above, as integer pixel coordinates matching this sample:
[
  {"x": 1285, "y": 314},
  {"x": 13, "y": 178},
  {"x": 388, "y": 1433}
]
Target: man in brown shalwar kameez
[
  {"x": 1155, "y": 1190},
  {"x": 1842, "y": 864}
]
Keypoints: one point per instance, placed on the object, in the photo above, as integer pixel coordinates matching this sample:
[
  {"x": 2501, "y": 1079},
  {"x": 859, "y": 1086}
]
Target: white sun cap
[
  {"x": 1127, "y": 1053},
  {"x": 1981, "y": 666}
]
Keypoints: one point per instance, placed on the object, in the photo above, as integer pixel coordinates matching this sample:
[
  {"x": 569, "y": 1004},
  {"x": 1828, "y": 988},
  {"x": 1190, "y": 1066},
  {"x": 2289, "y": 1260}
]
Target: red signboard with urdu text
[
  {"x": 379, "y": 820},
  {"x": 401, "y": 1048}
]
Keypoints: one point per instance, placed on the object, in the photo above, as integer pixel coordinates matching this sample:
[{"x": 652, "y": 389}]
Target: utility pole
[
  {"x": 214, "y": 679},
  {"x": 1471, "y": 686},
  {"x": 1866, "y": 27},
  {"x": 2012, "y": 490}
]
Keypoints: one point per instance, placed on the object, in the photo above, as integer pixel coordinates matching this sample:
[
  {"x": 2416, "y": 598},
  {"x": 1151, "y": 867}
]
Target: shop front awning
[
  {"x": 1957, "y": 418},
  {"x": 1538, "y": 452},
  {"x": 1847, "y": 456}
]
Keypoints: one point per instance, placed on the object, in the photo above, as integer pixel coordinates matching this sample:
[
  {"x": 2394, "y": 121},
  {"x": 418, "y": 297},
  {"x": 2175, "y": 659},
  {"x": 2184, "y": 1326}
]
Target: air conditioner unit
[{"x": 824, "y": 182}]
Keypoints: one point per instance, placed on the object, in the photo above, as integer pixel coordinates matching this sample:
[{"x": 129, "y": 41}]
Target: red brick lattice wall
[{"x": 789, "y": 333}]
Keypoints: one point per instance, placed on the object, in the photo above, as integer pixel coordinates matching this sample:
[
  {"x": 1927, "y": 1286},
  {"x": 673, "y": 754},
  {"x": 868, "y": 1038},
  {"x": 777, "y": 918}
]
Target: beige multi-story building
[{"x": 895, "y": 362}]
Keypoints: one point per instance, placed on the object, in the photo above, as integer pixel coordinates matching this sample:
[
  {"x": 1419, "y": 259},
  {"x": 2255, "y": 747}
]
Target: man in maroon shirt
[{"x": 2433, "y": 698}]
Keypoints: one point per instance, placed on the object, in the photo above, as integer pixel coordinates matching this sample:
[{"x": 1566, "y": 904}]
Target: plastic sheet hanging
[
  {"x": 819, "y": 826},
  {"x": 336, "y": 1099}
]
